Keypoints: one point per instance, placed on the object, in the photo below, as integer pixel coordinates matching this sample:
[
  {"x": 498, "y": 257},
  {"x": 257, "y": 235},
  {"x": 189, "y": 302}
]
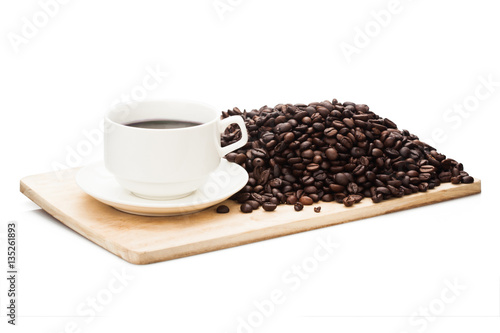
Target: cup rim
[{"x": 163, "y": 100}]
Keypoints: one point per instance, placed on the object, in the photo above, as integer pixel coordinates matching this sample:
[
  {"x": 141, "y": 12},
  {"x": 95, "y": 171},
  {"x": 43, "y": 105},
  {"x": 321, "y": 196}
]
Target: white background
[{"x": 429, "y": 56}]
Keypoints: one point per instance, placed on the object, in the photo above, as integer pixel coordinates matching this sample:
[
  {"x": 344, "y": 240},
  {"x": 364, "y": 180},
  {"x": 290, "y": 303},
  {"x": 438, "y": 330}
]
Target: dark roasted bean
[
  {"x": 298, "y": 206},
  {"x": 258, "y": 162},
  {"x": 282, "y": 128},
  {"x": 253, "y": 203},
  {"x": 341, "y": 179},
  {"x": 305, "y": 200},
  {"x": 352, "y": 188},
  {"x": 422, "y": 187},
  {"x": 349, "y": 201},
  {"x": 231, "y": 157},
  {"x": 223, "y": 209},
  {"x": 291, "y": 200},
  {"x": 383, "y": 190},
  {"x": 269, "y": 206},
  {"x": 467, "y": 180},
  {"x": 246, "y": 208},
  {"x": 357, "y": 152},
  {"x": 240, "y": 158},
  {"x": 242, "y": 197},
  {"x": 312, "y": 167},
  {"x": 376, "y": 152},
  {"x": 276, "y": 182},
  {"x": 427, "y": 168},
  {"x": 258, "y": 152},
  {"x": 310, "y": 189},
  {"x": 356, "y": 197}
]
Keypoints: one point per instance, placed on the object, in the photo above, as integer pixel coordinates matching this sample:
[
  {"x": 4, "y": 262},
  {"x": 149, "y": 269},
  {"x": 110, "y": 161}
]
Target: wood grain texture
[{"x": 144, "y": 240}]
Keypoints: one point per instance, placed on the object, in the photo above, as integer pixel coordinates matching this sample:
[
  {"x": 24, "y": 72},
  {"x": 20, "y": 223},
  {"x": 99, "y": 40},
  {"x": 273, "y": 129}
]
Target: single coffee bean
[
  {"x": 412, "y": 173},
  {"x": 341, "y": 179},
  {"x": 383, "y": 190},
  {"x": 223, "y": 209},
  {"x": 300, "y": 115},
  {"x": 289, "y": 137},
  {"x": 310, "y": 189},
  {"x": 258, "y": 152},
  {"x": 362, "y": 108},
  {"x": 276, "y": 182},
  {"x": 405, "y": 152},
  {"x": 330, "y": 132},
  {"x": 317, "y": 159},
  {"x": 307, "y": 154},
  {"x": 312, "y": 167},
  {"x": 427, "y": 168},
  {"x": 258, "y": 162},
  {"x": 255, "y": 204},
  {"x": 348, "y": 201},
  {"x": 392, "y": 153},
  {"x": 305, "y": 200},
  {"x": 240, "y": 158},
  {"x": 349, "y": 122},
  {"x": 291, "y": 200},
  {"x": 242, "y": 197},
  {"x": 376, "y": 152},
  {"x": 445, "y": 176},
  {"x": 468, "y": 180},
  {"x": 269, "y": 206},
  {"x": 268, "y": 136},
  {"x": 344, "y": 141},
  {"x": 231, "y": 157},
  {"x": 422, "y": 187},
  {"x": 318, "y": 127},
  {"x": 356, "y": 197},
  {"x": 424, "y": 177},
  {"x": 331, "y": 154},
  {"x": 298, "y": 207},
  {"x": 257, "y": 197},
  {"x": 258, "y": 188},
  {"x": 246, "y": 208},
  {"x": 352, "y": 188},
  {"x": 339, "y": 197},
  {"x": 317, "y": 209},
  {"x": 357, "y": 152},
  {"x": 327, "y": 197},
  {"x": 282, "y": 128},
  {"x": 336, "y": 188}
]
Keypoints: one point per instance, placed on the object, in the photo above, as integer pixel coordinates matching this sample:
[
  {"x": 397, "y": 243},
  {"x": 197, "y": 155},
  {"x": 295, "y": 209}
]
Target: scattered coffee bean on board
[
  {"x": 298, "y": 207},
  {"x": 269, "y": 206},
  {"x": 299, "y": 154},
  {"x": 317, "y": 209},
  {"x": 223, "y": 209}
]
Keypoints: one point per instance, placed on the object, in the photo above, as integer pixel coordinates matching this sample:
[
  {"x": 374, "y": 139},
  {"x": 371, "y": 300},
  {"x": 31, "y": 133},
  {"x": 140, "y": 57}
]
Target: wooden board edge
[
  {"x": 149, "y": 257},
  {"x": 118, "y": 250}
]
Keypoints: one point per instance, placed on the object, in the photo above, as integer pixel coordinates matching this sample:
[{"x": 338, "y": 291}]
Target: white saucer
[{"x": 97, "y": 182}]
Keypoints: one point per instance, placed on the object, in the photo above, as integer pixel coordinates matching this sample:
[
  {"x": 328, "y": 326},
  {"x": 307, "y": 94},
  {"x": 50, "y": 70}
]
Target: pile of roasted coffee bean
[{"x": 330, "y": 151}]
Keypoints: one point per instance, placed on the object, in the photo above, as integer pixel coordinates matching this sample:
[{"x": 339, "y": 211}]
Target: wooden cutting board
[{"x": 144, "y": 240}]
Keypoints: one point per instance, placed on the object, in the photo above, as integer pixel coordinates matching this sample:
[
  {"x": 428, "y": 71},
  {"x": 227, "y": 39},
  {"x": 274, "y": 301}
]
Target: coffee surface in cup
[{"x": 162, "y": 124}]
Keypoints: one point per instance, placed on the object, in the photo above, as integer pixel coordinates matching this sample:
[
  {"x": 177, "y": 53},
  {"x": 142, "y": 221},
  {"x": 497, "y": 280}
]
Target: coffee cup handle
[{"x": 223, "y": 124}]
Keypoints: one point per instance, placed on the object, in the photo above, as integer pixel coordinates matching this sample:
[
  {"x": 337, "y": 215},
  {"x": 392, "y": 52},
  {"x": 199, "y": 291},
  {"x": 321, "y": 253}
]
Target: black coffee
[{"x": 162, "y": 124}]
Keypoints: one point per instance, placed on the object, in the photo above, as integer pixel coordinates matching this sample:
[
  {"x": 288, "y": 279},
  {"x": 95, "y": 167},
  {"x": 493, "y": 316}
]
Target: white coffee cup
[{"x": 165, "y": 164}]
